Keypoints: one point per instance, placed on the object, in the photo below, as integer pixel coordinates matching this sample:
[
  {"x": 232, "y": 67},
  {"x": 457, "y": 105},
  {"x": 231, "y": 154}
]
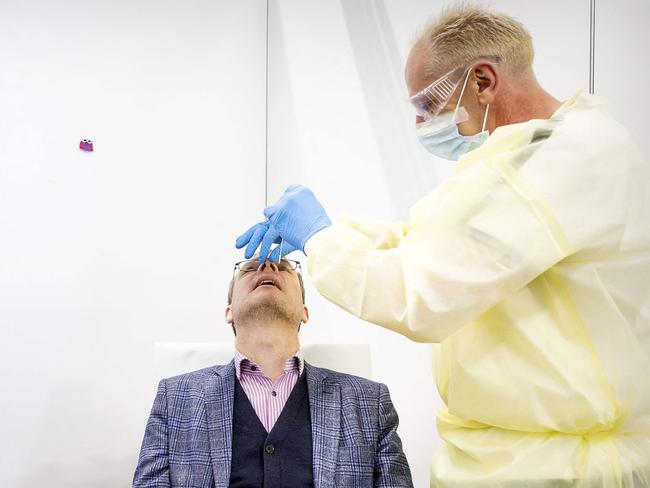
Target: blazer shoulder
[{"x": 348, "y": 381}]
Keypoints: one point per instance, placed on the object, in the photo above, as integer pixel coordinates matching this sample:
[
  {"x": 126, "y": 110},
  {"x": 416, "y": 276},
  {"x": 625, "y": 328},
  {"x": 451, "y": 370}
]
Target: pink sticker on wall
[{"x": 86, "y": 145}]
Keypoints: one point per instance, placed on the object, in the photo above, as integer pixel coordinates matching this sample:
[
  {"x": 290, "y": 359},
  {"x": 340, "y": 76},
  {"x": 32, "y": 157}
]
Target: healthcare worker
[{"x": 531, "y": 267}]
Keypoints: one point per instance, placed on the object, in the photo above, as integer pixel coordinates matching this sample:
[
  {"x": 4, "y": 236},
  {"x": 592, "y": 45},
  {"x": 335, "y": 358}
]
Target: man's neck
[
  {"x": 525, "y": 102},
  {"x": 268, "y": 345}
]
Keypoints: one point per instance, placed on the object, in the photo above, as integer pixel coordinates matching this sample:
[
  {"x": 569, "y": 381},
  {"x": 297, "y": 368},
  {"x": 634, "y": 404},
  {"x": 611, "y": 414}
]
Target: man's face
[
  {"x": 266, "y": 291},
  {"x": 416, "y": 78},
  {"x": 414, "y": 74}
]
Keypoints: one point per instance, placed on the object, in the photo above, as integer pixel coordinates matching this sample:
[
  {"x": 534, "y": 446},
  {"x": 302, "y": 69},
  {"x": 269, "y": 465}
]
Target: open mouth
[{"x": 266, "y": 282}]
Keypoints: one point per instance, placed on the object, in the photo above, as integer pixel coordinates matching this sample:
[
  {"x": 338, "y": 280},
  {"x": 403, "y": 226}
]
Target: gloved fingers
[
  {"x": 243, "y": 239},
  {"x": 286, "y": 249},
  {"x": 289, "y": 192},
  {"x": 275, "y": 254},
  {"x": 256, "y": 238},
  {"x": 270, "y": 211},
  {"x": 270, "y": 237}
]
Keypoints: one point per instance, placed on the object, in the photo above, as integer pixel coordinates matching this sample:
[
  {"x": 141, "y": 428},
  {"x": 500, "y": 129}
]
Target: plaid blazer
[{"x": 188, "y": 438}]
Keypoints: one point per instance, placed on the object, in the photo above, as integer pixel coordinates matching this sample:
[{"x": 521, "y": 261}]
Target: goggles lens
[{"x": 429, "y": 101}]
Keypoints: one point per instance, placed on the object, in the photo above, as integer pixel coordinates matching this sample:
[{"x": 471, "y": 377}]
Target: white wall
[
  {"x": 104, "y": 254},
  {"x": 621, "y": 64}
]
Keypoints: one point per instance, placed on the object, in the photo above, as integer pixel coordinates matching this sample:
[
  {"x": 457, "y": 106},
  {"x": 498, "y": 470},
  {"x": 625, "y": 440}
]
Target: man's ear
[
  {"x": 228, "y": 314},
  {"x": 487, "y": 81},
  {"x": 305, "y": 314}
]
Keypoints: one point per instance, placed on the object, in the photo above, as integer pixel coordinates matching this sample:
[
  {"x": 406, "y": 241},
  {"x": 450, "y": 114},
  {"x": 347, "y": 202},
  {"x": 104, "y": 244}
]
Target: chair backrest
[{"x": 173, "y": 358}]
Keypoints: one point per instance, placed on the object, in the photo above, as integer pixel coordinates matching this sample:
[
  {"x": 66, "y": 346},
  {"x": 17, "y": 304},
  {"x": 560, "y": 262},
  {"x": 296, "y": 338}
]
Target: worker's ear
[{"x": 486, "y": 76}]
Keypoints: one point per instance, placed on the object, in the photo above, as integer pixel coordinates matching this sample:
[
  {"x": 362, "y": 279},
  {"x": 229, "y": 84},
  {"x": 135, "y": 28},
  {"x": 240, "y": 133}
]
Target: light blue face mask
[{"x": 440, "y": 135}]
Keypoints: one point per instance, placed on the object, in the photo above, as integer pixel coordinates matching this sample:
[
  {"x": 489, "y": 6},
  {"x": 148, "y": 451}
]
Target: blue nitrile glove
[
  {"x": 296, "y": 217},
  {"x": 253, "y": 237},
  {"x": 285, "y": 247}
]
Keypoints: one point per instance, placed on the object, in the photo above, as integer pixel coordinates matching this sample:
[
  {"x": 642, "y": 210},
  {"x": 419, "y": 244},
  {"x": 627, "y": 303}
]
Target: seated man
[{"x": 268, "y": 418}]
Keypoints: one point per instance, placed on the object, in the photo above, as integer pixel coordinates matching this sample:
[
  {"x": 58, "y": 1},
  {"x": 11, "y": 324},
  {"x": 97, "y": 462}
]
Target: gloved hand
[
  {"x": 296, "y": 217},
  {"x": 253, "y": 236}
]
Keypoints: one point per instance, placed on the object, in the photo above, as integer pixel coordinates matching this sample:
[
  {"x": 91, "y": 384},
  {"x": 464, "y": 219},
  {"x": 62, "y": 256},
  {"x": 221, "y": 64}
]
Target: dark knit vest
[{"x": 281, "y": 458}]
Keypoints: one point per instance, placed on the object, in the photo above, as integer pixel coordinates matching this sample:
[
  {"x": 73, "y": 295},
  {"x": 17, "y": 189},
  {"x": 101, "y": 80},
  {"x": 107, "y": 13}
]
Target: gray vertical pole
[
  {"x": 266, "y": 111},
  {"x": 592, "y": 43}
]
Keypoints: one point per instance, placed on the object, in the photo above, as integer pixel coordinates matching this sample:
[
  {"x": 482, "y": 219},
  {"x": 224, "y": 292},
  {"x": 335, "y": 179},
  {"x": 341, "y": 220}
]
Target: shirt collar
[{"x": 245, "y": 366}]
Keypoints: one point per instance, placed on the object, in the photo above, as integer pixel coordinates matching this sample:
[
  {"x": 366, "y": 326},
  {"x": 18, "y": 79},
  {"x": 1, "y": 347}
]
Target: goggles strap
[{"x": 462, "y": 91}]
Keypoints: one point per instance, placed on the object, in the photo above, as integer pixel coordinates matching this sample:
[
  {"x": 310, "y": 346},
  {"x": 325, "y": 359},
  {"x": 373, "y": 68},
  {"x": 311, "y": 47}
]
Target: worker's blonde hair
[{"x": 465, "y": 32}]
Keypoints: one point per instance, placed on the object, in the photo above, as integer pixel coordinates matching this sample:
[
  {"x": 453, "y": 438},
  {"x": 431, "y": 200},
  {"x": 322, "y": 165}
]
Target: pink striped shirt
[{"x": 268, "y": 398}]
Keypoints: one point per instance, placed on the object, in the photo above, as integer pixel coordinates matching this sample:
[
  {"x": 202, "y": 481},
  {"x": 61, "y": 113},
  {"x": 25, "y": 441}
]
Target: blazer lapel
[
  {"x": 325, "y": 409},
  {"x": 220, "y": 392}
]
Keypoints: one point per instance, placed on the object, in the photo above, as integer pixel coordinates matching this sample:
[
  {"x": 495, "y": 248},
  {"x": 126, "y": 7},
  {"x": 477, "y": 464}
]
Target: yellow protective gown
[{"x": 531, "y": 267}]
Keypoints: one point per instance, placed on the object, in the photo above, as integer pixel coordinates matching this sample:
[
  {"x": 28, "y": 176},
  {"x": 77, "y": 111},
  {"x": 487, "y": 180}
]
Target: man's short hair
[{"x": 465, "y": 33}]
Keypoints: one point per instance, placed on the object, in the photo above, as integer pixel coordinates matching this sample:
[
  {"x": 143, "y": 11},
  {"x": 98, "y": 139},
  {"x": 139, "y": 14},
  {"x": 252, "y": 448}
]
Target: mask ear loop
[
  {"x": 485, "y": 117},
  {"x": 462, "y": 91}
]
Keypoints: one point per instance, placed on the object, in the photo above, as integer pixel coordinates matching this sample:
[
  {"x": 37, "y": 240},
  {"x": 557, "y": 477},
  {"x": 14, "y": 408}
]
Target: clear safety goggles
[{"x": 429, "y": 101}]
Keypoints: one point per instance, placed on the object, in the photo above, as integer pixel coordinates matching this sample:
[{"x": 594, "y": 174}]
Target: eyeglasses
[{"x": 252, "y": 265}]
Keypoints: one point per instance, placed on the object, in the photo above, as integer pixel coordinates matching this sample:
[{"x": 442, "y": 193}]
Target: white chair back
[{"x": 174, "y": 358}]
